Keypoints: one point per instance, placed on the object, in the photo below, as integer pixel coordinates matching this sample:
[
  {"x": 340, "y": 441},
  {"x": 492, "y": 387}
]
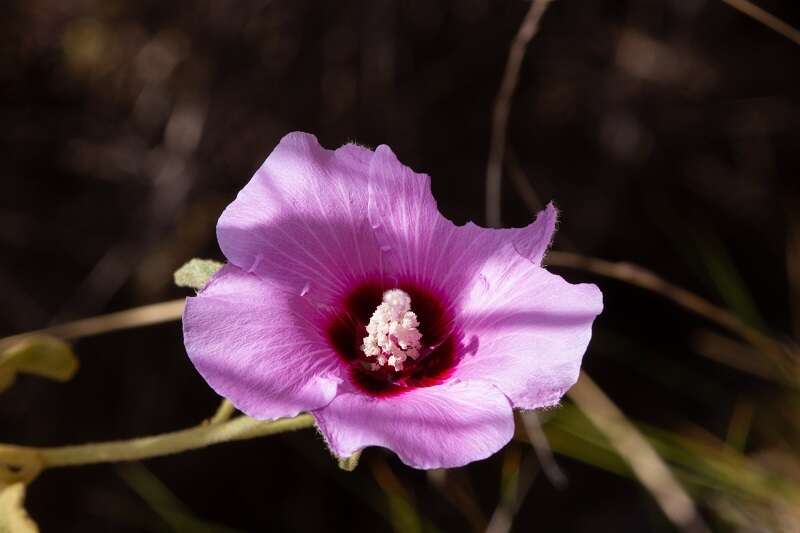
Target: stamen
[{"x": 392, "y": 332}]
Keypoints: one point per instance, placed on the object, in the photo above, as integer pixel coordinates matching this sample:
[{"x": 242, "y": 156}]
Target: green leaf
[
  {"x": 13, "y": 517},
  {"x": 196, "y": 273},
  {"x": 41, "y": 355}
]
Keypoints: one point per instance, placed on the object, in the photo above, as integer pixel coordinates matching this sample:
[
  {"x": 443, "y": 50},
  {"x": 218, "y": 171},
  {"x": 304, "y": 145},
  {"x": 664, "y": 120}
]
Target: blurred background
[{"x": 665, "y": 130}]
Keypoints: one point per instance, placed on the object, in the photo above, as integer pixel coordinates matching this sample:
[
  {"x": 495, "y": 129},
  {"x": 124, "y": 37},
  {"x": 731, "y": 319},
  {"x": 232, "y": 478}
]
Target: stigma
[{"x": 392, "y": 334}]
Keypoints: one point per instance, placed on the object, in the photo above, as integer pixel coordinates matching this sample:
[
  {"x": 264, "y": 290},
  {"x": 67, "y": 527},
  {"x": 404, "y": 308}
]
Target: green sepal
[{"x": 196, "y": 273}]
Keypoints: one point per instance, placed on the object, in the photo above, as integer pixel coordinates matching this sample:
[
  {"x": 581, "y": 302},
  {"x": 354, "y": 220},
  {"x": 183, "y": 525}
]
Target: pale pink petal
[
  {"x": 443, "y": 426},
  {"x": 254, "y": 345},
  {"x": 314, "y": 225},
  {"x": 302, "y": 222},
  {"x": 419, "y": 243},
  {"x": 528, "y": 330}
]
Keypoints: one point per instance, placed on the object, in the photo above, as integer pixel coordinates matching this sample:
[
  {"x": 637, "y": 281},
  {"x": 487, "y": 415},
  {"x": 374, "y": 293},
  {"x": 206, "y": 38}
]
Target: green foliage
[
  {"x": 40, "y": 355},
  {"x": 13, "y": 517},
  {"x": 713, "y": 472}
]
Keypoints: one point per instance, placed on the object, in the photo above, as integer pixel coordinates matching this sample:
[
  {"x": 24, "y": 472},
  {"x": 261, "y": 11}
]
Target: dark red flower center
[{"x": 438, "y": 355}]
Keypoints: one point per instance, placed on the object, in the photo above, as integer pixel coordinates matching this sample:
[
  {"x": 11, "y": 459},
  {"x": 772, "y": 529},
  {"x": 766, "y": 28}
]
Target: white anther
[{"x": 392, "y": 331}]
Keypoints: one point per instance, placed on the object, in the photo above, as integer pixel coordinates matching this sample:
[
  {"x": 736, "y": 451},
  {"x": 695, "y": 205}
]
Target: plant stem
[
  {"x": 131, "y": 318},
  {"x": 224, "y": 412},
  {"x": 641, "y": 277},
  {"x": 502, "y": 108},
  {"x": 241, "y": 428}
]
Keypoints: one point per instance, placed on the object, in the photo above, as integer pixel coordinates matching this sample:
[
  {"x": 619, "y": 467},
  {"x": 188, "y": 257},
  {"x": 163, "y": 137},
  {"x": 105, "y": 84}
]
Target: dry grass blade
[
  {"x": 631, "y": 445},
  {"x": 645, "y": 462},
  {"x": 224, "y": 412},
  {"x": 645, "y": 279},
  {"x": 502, "y": 108},
  {"x": 767, "y": 19}
]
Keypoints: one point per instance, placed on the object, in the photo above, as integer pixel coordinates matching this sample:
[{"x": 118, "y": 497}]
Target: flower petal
[
  {"x": 443, "y": 426},
  {"x": 253, "y": 345},
  {"x": 529, "y": 329},
  {"x": 301, "y": 221},
  {"x": 419, "y": 243}
]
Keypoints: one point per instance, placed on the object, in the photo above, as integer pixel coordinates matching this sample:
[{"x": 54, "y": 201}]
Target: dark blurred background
[{"x": 665, "y": 130}]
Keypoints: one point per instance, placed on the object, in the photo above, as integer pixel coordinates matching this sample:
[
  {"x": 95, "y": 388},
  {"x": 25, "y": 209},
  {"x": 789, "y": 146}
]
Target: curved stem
[
  {"x": 636, "y": 275},
  {"x": 502, "y": 108},
  {"x": 241, "y": 428},
  {"x": 224, "y": 412},
  {"x": 130, "y": 318}
]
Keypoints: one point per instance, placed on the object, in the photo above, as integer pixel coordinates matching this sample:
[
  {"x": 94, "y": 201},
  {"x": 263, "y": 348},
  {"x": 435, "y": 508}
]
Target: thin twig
[
  {"x": 767, "y": 19},
  {"x": 645, "y": 279},
  {"x": 645, "y": 462},
  {"x": 633, "y": 448},
  {"x": 224, "y": 412},
  {"x": 131, "y": 318},
  {"x": 241, "y": 428},
  {"x": 523, "y": 185},
  {"x": 502, "y": 108},
  {"x": 636, "y": 275}
]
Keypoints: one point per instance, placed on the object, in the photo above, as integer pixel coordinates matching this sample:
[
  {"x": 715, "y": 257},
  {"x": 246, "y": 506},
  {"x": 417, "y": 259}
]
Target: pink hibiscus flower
[{"x": 347, "y": 294}]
